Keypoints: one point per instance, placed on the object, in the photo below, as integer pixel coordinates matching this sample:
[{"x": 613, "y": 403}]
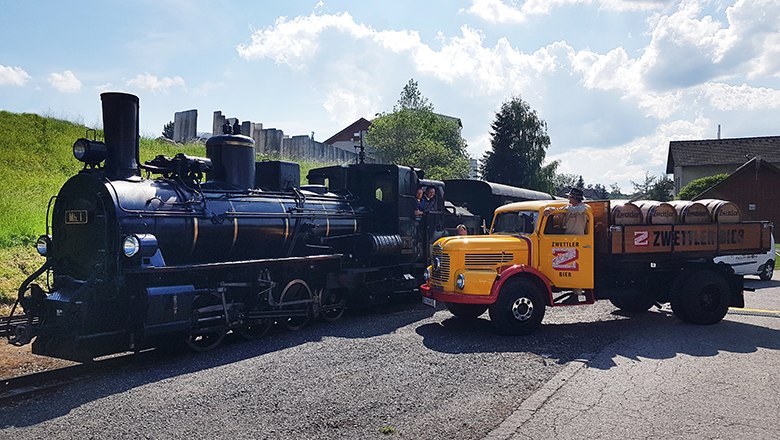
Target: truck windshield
[{"x": 519, "y": 222}]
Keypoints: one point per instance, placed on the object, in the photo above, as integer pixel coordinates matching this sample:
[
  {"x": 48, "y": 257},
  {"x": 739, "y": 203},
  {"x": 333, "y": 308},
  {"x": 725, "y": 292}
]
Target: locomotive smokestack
[{"x": 120, "y": 128}]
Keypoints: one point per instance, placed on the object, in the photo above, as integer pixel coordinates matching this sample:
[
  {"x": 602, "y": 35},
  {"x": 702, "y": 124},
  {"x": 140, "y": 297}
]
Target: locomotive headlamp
[
  {"x": 42, "y": 245},
  {"x": 460, "y": 282},
  {"x": 89, "y": 152},
  {"x": 131, "y": 246}
]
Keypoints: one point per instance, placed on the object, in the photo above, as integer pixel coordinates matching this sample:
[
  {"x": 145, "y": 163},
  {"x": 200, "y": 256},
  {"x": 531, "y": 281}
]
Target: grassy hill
[{"x": 35, "y": 160}]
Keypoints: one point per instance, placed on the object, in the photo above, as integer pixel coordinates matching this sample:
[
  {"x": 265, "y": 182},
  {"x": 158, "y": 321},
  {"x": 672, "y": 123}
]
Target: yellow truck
[{"x": 635, "y": 254}]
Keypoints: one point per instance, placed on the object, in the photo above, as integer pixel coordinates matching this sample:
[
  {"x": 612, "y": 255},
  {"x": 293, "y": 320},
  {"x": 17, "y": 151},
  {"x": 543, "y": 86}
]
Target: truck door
[{"x": 566, "y": 259}]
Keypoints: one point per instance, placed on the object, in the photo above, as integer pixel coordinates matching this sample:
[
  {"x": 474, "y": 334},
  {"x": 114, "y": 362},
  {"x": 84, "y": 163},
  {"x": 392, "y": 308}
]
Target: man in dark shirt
[{"x": 428, "y": 201}]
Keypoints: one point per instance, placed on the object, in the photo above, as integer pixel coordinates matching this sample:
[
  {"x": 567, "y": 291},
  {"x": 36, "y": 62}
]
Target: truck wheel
[
  {"x": 633, "y": 301},
  {"x": 704, "y": 298},
  {"x": 767, "y": 271},
  {"x": 519, "y": 309},
  {"x": 466, "y": 311}
]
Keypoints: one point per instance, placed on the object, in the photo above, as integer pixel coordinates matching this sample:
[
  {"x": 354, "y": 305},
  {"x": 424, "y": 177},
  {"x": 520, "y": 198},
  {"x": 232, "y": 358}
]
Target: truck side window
[{"x": 556, "y": 224}]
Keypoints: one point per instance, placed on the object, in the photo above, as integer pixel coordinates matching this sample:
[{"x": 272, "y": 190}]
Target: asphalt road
[
  {"x": 407, "y": 372},
  {"x": 668, "y": 382}
]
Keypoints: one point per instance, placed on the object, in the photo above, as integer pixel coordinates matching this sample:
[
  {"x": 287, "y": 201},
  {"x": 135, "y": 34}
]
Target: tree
[
  {"x": 655, "y": 188},
  {"x": 414, "y": 135},
  {"x": 614, "y": 191},
  {"x": 598, "y": 191},
  {"x": 563, "y": 182},
  {"x": 580, "y": 183},
  {"x": 167, "y": 131},
  {"x": 412, "y": 99},
  {"x": 518, "y": 143},
  {"x": 698, "y": 186}
]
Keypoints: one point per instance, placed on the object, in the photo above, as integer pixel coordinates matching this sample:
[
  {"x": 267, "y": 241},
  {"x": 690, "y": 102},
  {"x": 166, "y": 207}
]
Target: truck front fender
[{"x": 527, "y": 272}]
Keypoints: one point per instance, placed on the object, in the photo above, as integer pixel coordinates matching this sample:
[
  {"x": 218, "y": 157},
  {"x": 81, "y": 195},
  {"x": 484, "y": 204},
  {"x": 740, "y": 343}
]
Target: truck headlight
[
  {"x": 427, "y": 274},
  {"x": 460, "y": 282},
  {"x": 42, "y": 245},
  {"x": 131, "y": 246}
]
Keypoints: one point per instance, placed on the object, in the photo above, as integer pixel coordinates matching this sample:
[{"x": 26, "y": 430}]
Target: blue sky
[{"x": 615, "y": 80}]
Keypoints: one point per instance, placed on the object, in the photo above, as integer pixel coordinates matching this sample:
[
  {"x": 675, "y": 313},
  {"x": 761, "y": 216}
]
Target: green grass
[{"x": 35, "y": 160}]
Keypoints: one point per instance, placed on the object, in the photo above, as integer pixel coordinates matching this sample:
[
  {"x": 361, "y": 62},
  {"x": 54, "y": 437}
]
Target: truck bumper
[{"x": 439, "y": 294}]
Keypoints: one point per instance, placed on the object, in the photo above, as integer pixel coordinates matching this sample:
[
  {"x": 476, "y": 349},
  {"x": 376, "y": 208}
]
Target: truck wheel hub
[{"x": 522, "y": 309}]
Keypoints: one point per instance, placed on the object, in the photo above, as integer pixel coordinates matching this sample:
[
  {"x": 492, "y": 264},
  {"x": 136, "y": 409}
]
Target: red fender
[{"x": 509, "y": 271}]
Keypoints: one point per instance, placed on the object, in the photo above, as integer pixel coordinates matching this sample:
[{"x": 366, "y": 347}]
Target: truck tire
[
  {"x": 466, "y": 311},
  {"x": 519, "y": 309},
  {"x": 704, "y": 298}
]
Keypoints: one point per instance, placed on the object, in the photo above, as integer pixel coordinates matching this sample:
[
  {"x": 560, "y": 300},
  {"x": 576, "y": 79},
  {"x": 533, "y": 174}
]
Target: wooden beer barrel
[
  {"x": 722, "y": 211},
  {"x": 691, "y": 213},
  {"x": 657, "y": 213},
  {"x": 625, "y": 213}
]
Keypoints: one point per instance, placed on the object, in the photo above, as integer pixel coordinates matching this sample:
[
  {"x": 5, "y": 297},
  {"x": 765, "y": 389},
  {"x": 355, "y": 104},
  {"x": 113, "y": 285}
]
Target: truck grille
[
  {"x": 441, "y": 274},
  {"x": 481, "y": 261}
]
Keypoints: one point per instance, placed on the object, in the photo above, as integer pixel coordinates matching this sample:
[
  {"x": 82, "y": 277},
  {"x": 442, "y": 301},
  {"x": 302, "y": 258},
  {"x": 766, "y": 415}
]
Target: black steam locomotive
[{"x": 199, "y": 247}]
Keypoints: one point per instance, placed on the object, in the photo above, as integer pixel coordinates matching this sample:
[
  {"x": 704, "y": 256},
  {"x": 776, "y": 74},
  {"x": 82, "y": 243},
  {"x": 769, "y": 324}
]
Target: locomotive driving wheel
[
  {"x": 255, "y": 330},
  {"x": 332, "y": 305},
  {"x": 295, "y": 300},
  {"x": 208, "y": 326}
]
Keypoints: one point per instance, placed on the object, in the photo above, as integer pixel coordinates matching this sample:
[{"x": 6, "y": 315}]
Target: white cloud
[
  {"x": 65, "y": 82},
  {"x": 155, "y": 84},
  {"x": 291, "y": 42},
  {"x": 743, "y": 97},
  {"x": 346, "y": 105},
  {"x": 498, "y": 11},
  {"x": 625, "y": 163},
  {"x": 13, "y": 76}
]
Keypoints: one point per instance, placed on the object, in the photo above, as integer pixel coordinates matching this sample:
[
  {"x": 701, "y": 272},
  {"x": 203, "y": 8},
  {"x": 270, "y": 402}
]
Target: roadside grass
[{"x": 35, "y": 161}]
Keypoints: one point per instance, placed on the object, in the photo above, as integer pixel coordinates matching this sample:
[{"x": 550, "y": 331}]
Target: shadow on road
[
  {"x": 654, "y": 335},
  {"x": 156, "y": 366}
]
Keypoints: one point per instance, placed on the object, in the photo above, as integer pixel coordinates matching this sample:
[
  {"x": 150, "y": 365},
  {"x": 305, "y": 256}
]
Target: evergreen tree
[
  {"x": 518, "y": 143},
  {"x": 167, "y": 131}
]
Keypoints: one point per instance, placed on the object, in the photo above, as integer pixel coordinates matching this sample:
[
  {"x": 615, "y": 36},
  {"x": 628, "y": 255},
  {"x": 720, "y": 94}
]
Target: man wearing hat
[
  {"x": 576, "y": 223},
  {"x": 576, "y": 220}
]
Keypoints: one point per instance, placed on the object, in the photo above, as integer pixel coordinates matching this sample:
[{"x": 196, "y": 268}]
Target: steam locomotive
[{"x": 191, "y": 248}]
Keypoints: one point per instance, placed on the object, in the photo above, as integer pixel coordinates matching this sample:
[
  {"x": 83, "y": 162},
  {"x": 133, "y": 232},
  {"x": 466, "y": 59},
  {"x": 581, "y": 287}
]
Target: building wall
[
  {"x": 684, "y": 175},
  {"x": 185, "y": 126},
  {"x": 754, "y": 191}
]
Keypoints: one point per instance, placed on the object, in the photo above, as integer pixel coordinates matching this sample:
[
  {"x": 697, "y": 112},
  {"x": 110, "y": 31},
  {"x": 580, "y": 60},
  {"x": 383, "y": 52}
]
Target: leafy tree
[
  {"x": 167, "y": 131},
  {"x": 412, "y": 99},
  {"x": 614, "y": 191},
  {"x": 655, "y": 188},
  {"x": 599, "y": 191},
  {"x": 698, "y": 186},
  {"x": 563, "y": 182},
  {"x": 414, "y": 135},
  {"x": 580, "y": 183},
  {"x": 518, "y": 143}
]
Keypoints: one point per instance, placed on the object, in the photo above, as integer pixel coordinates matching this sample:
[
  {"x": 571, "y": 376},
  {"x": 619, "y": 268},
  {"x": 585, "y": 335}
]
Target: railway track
[
  {"x": 31, "y": 384},
  {"x": 7, "y": 323}
]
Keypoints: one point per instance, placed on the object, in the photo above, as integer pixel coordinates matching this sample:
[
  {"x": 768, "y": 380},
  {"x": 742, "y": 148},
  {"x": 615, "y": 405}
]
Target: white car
[{"x": 762, "y": 265}]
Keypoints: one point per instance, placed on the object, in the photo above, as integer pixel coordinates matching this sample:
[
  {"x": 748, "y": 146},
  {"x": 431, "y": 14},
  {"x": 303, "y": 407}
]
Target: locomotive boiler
[{"x": 190, "y": 248}]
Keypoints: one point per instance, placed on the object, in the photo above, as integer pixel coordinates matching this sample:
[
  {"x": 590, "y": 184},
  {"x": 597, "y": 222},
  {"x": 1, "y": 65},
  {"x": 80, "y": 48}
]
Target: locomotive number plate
[{"x": 76, "y": 217}]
